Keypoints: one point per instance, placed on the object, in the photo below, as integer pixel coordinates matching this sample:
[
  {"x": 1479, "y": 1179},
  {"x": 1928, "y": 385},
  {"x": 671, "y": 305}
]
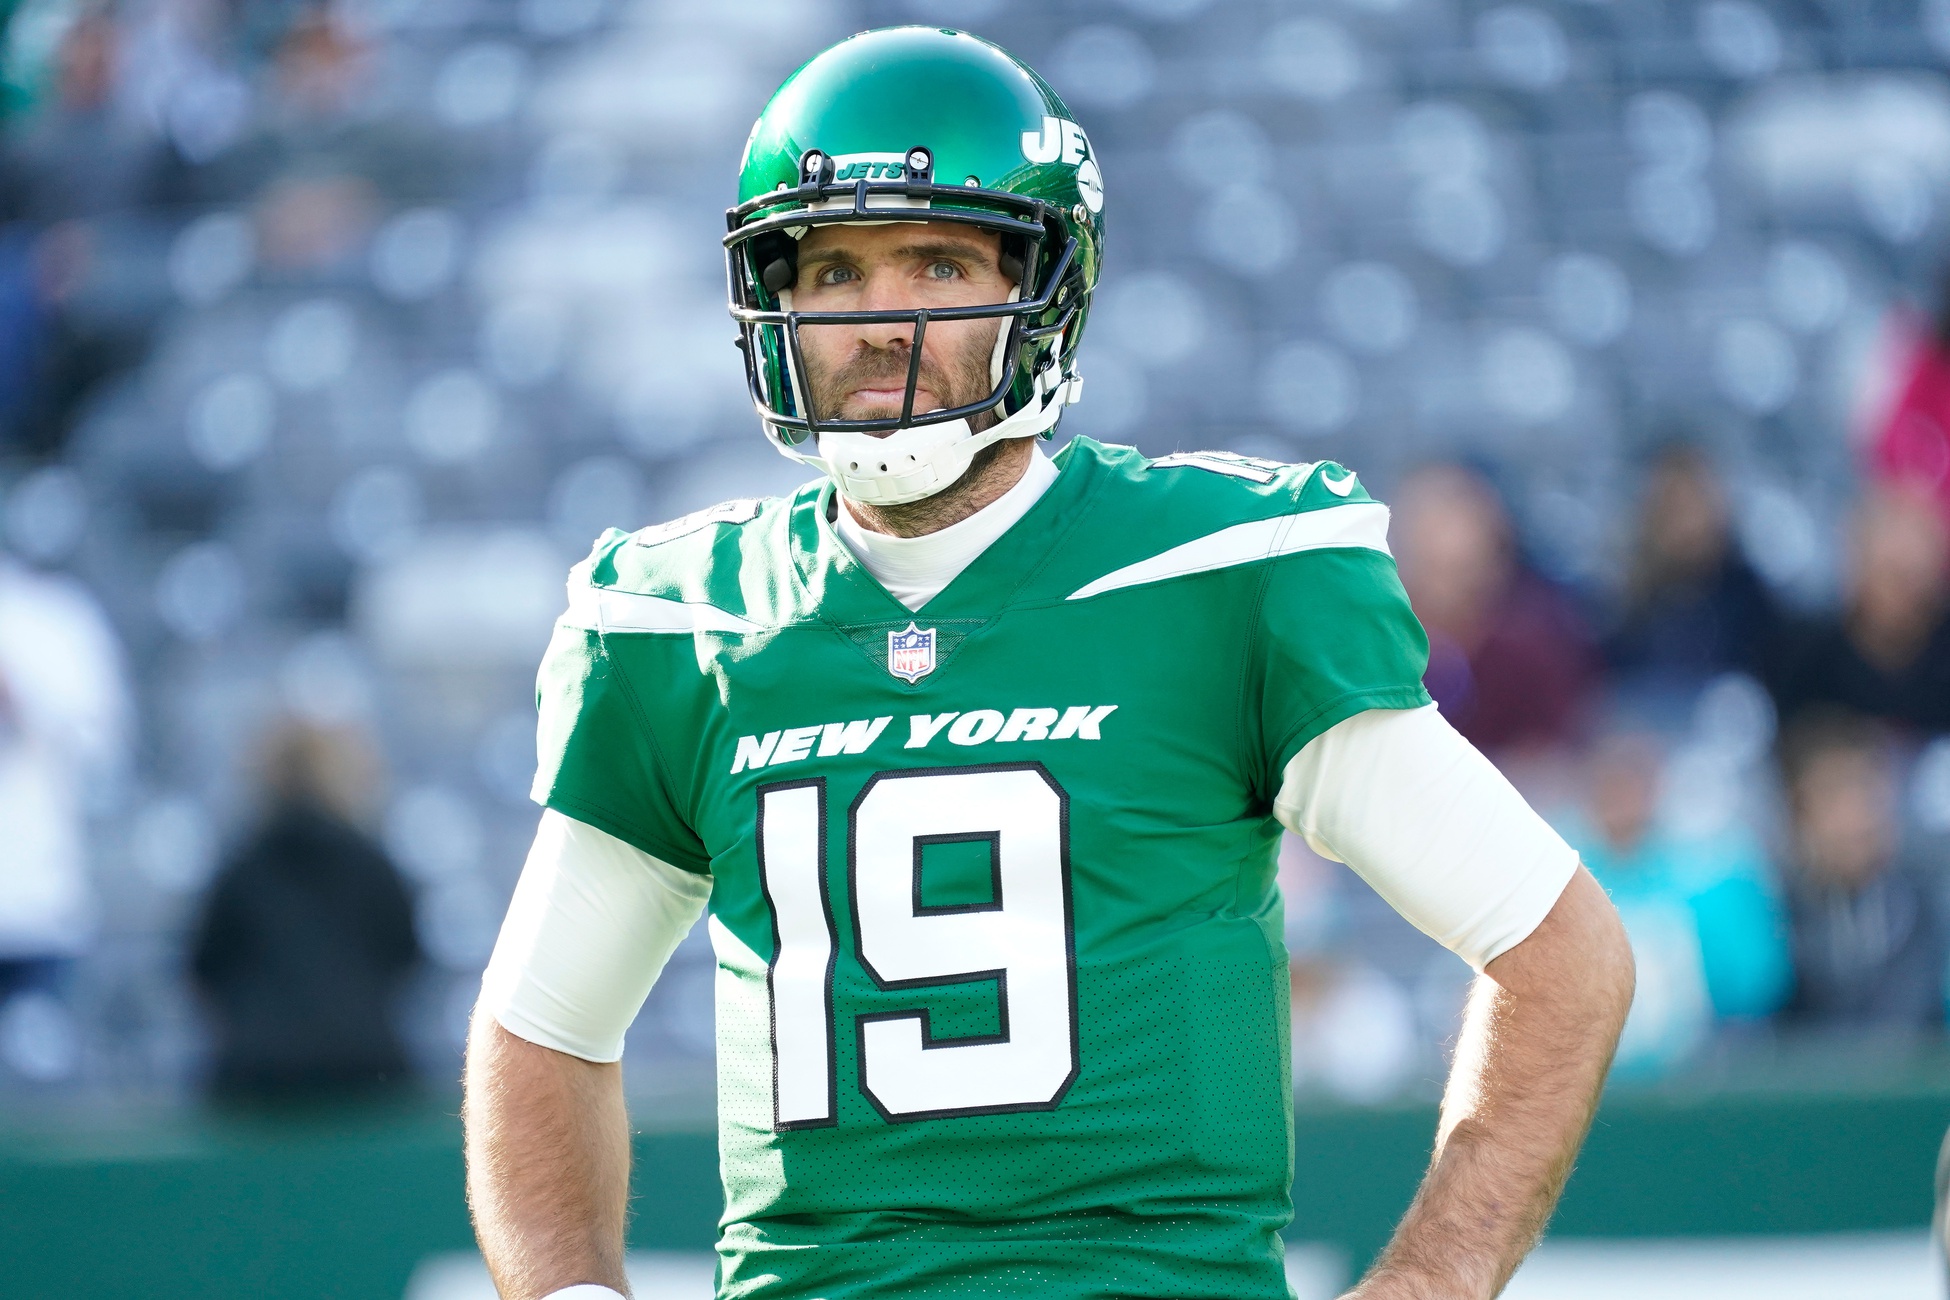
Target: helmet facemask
[{"x": 891, "y": 459}]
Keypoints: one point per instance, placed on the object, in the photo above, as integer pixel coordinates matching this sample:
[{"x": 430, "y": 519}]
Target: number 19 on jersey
[{"x": 1022, "y": 938}]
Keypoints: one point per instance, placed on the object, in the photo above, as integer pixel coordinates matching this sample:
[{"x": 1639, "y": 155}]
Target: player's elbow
[
  {"x": 1614, "y": 969},
  {"x": 1579, "y": 954},
  {"x": 1604, "y": 971}
]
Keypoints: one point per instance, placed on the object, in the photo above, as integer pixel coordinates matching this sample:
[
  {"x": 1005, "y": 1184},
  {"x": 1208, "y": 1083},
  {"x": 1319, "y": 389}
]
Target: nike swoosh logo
[{"x": 1340, "y": 487}]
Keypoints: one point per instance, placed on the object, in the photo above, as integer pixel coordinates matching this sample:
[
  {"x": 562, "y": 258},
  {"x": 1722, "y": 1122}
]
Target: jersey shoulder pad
[
  {"x": 1220, "y": 488},
  {"x": 699, "y": 562},
  {"x": 1206, "y": 512}
]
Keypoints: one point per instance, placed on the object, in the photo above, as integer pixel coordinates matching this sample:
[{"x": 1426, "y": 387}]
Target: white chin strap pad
[
  {"x": 906, "y": 465},
  {"x": 916, "y": 462}
]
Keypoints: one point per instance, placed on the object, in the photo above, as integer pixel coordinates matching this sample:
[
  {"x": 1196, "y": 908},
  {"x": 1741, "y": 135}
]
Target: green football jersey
[{"x": 1002, "y": 995}]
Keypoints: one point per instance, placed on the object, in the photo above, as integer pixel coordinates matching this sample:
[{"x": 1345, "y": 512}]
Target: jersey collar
[
  {"x": 844, "y": 592},
  {"x": 925, "y": 565}
]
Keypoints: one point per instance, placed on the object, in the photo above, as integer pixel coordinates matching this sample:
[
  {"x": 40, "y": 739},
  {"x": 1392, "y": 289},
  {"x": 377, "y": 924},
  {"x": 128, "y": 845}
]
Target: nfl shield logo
[{"x": 910, "y": 653}]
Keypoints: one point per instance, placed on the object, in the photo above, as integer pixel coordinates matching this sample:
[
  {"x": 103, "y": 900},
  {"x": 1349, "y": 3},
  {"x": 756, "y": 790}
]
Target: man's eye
[
  {"x": 943, "y": 270},
  {"x": 836, "y": 275}
]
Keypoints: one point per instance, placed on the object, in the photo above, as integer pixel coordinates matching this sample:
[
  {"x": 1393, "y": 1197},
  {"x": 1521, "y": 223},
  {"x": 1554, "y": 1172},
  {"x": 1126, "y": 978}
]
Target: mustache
[
  {"x": 883, "y": 368},
  {"x": 871, "y": 367}
]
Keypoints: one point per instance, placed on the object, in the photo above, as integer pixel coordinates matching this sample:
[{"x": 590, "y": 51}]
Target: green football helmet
[{"x": 916, "y": 124}]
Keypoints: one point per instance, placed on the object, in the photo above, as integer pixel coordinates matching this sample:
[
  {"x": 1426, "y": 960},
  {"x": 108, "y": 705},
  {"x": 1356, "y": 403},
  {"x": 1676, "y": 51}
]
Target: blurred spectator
[
  {"x": 76, "y": 159},
  {"x": 315, "y": 163},
  {"x": 1510, "y": 660},
  {"x": 1912, "y": 442},
  {"x": 307, "y": 933},
  {"x": 1692, "y": 607},
  {"x": 64, "y": 722},
  {"x": 79, "y": 153},
  {"x": 316, "y": 200},
  {"x": 1703, "y": 913},
  {"x": 60, "y": 336},
  {"x": 1869, "y": 937},
  {"x": 1888, "y": 654}
]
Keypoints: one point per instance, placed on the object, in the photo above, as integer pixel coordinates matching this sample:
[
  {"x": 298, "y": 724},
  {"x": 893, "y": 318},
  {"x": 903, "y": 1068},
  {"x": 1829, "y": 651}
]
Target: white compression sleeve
[
  {"x": 1431, "y": 825},
  {"x": 591, "y": 924},
  {"x": 584, "y": 1291}
]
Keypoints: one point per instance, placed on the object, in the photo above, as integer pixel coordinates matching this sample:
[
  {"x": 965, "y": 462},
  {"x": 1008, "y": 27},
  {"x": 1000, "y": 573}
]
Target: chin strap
[{"x": 918, "y": 462}]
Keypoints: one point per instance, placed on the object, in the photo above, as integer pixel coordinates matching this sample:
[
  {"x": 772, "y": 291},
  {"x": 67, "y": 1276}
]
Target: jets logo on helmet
[
  {"x": 934, "y": 125},
  {"x": 1064, "y": 139}
]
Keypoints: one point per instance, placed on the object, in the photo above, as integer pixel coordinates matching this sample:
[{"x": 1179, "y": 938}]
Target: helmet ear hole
[
  {"x": 1011, "y": 259},
  {"x": 777, "y": 260}
]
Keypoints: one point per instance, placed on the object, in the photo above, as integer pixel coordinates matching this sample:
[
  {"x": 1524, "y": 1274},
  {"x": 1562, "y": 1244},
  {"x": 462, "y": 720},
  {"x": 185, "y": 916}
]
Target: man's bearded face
[{"x": 859, "y": 372}]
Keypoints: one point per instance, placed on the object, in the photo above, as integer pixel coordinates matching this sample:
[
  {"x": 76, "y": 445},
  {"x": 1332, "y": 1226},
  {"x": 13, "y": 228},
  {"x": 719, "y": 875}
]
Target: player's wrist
[
  {"x": 585, "y": 1291},
  {"x": 1401, "y": 1280}
]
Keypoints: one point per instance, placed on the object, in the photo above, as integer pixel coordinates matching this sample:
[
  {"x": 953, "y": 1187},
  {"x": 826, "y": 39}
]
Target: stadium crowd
[
  {"x": 331, "y": 333},
  {"x": 1759, "y": 787}
]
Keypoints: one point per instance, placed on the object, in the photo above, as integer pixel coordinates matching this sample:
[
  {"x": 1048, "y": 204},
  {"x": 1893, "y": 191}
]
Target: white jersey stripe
[
  {"x": 601, "y": 610},
  {"x": 1363, "y": 524}
]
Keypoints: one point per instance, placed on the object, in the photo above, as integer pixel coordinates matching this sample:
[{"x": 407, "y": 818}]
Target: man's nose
[{"x": 883, "y": 292}]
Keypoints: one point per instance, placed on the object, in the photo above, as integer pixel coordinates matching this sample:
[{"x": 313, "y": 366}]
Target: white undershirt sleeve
[
  {"x": 1431, "y": 825},
  {"x": 591, "y": 924}
]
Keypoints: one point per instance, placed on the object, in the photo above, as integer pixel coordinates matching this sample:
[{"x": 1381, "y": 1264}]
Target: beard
[{"x": 957, "y": 380}]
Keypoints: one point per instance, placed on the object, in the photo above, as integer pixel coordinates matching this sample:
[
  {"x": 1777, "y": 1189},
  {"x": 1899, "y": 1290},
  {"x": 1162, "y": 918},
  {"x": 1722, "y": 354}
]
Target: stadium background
[{"x": 330, "y": 335}]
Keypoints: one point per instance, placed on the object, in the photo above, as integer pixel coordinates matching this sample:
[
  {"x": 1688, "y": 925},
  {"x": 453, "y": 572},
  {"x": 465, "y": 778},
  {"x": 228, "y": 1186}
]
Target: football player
[{"x": 979, "y": 759}]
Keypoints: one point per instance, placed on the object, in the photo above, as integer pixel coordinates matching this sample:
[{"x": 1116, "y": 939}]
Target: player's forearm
[
  {"x": 548, "y": 1164},
  {"x": 1530, "y": 1063}
]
